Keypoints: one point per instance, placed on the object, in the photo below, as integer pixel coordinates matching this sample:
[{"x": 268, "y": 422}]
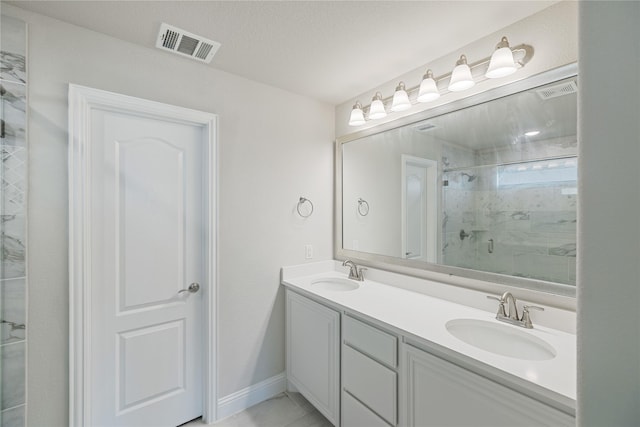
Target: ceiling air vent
[
  {"x": 565, "y": 88},
  {"x": 186, "y": 44},
  {"x": 424, "y": 127}
]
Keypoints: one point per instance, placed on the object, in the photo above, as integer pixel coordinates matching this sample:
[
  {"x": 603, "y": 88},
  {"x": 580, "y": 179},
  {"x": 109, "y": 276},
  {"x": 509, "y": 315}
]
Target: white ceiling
[{"x": 328, "y": 50}]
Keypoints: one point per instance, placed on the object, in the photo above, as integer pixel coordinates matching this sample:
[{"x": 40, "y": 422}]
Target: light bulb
[
  {"x": 428, "y": 89},
  {"x": 376, "y": 110},
  {"x": 357, "y": 115},
  {"x": 501, "y": 63},
  {"x": 461, "y": 78},
  {"x": 400, "y": 99}
]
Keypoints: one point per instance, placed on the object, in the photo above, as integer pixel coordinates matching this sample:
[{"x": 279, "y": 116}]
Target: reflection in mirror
[{"x": 490, "y": 188}]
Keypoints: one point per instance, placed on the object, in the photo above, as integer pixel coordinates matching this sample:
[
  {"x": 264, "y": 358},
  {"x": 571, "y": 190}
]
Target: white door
[
  {"x": 416, "y": 212},
  {"x": 419, "y": 208},
  {"x": 147, "y": 246}
]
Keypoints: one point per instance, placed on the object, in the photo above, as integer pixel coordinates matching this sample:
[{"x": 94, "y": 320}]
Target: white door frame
[
  {"x": 431, "y": 167},
  {"x": 82, "y": 100}
]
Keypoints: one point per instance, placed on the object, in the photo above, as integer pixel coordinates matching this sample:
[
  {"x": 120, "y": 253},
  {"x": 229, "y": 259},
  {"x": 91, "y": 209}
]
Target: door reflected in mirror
[{"x": 491, "y": 187}]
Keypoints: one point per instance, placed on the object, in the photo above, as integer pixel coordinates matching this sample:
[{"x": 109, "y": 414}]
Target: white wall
[
  {"x": 372, "y": 170},
  {"x": 609, "y": 239},
  {"x": 275, "y": 146},
  {"x": 552, "y": 33}
]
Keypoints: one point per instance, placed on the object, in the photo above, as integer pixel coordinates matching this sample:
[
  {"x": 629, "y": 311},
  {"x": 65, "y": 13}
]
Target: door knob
[{"x": 193, "y": 288}]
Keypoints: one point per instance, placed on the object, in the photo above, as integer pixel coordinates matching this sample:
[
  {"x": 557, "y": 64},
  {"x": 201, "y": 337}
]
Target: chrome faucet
[
  {"x": 513, "y": 317},
  {"x": 355, "y": 273},
  {"x": 510, "y": 300}
]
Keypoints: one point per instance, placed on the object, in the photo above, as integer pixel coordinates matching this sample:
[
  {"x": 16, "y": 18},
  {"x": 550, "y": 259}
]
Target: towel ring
[
  {"x": 301, "y": 203},
  {"x": 363, "y": 207}
]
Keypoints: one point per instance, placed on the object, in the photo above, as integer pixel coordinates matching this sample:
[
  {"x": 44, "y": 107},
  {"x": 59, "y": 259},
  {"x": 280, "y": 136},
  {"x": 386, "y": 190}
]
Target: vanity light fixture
[
  {"x": 532, "y": 133},
  {"x": 428, "y": 88},
  {"x": 357, "y": 115},
  {"x": 501, "y": 63},
  {"x": 461, "y": 78},
  {"x": 504, "y": 61},
  {"x": 377, "y": 111},
  {"x": 400, "y": 99}
]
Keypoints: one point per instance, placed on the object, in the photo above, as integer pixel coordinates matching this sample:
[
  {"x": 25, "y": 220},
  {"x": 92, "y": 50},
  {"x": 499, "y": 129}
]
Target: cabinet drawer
[
  {"x": 371, "y": 341},
  {"x": 370, "y": 382},
  {"x": 355, "y": 414}
]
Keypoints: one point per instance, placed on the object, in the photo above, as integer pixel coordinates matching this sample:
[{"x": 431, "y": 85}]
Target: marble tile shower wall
[
  {"x": 458, "y": 206},
  {"x": 521, "y": 230},
  {"x": 13, "y": 172}
]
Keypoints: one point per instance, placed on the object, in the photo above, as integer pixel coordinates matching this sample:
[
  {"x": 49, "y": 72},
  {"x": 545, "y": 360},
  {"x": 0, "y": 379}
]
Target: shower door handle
[{"x": 193, "y": 288}]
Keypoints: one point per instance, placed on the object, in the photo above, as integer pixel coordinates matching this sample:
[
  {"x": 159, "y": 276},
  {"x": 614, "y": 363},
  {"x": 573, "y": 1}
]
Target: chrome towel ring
[
  {"x": 363, "y": 207},
  {"x": 301, "y": 203}
]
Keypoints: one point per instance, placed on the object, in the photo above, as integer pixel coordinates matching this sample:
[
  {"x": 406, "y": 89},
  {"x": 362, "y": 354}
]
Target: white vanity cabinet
[
  {"x": 313, "y": 353},
  {"x": 358, "y": 373},
  {"x": 369, "y": 375},
  {"x": 439, "y": 393}
]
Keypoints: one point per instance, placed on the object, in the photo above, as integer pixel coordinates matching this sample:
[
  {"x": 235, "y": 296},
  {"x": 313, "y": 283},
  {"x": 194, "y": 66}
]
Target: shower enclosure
[
  {"x": 13, "y": 169},
  {"x": 502, "y": 195}
]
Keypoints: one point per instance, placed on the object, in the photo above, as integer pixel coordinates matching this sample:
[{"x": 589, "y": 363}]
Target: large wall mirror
[{"x": 484, "y": 188}]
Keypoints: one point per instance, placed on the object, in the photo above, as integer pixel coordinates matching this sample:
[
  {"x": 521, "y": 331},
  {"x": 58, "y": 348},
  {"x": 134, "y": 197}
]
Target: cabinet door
[
  {"x": 439, "y": 393},
  {"x": 313, "y": 339}
]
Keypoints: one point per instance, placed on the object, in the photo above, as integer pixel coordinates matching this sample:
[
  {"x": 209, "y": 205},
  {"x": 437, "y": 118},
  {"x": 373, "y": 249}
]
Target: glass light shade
[
  {"x": 400, "y": 99},
  {"x": 357, "y": 115},
  {"x": 461, "y": 78},
  {"x": 376, "y": 110},
  {"x": 428, "y": 89},
  {"x": 501, "y": 64}
]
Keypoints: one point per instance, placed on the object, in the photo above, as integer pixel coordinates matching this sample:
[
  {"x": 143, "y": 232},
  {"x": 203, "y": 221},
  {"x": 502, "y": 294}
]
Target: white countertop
[{"x": 422, "y": 317}]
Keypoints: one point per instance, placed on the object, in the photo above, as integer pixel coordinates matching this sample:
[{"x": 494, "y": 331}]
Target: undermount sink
[
  {"x": 500, "y": 339},
  {"x": 335, "y": 284}
]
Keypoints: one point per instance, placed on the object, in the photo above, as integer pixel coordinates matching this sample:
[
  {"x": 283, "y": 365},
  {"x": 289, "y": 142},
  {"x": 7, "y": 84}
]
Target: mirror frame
[{"x": 424, "y": 269}]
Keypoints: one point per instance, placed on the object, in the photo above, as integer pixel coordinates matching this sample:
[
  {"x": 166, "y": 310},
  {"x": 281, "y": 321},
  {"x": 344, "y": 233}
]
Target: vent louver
[
  {"x": 186, "y": 44},
  {"x": 425, "y": 127},
  {"x": 562, "y": 89}
]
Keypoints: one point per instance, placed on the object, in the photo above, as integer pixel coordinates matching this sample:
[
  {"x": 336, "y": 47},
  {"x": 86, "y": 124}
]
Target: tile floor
[{"x": 285, "y": 410}]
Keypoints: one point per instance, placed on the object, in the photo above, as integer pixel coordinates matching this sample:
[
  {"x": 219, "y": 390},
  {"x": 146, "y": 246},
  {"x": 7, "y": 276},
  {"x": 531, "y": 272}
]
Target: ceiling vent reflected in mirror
[
  {"x": 566, "y": 88},
  {"x": 186, "y": 44},
  {"x": 424, "y": 127}
]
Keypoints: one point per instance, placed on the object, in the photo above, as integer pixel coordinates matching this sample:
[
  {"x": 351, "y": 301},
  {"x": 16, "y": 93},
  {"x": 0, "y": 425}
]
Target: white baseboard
[{"x": 249, "y": 396}]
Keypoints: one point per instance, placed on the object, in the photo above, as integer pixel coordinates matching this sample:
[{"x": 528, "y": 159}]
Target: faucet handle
[
  {"x": 501, "y": 311},
  {"x": 526, "y": 318}
]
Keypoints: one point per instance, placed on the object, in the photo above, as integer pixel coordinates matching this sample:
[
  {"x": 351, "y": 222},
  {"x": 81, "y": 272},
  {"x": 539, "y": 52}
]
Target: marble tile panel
[
  {"x": 12, "y": 256},
  {"x": 13, "y": 114},
  {"x": 13, "y": 179},
  {"x": 13, "y": 49},
  {"x": 517, "y": 221},
  {"x": 451, "y": 220},
  {"x": 522, "y": 242},
  {"x": 456, "y": 157},
  {"x": 12, "y": 310},
  {"x": 564, "y": 198},
  {"x": 455, "y": 200},
  {"x": 572, "y": 271},
  {"x": 13, "y": 417},
  {"x": 500, "y": 261},
  {"x": 554, "y": 221},
  {"x": 12, "y": 357},
  {"x": 541, "y": 267},
  {"x": 563, "y": 248}
]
